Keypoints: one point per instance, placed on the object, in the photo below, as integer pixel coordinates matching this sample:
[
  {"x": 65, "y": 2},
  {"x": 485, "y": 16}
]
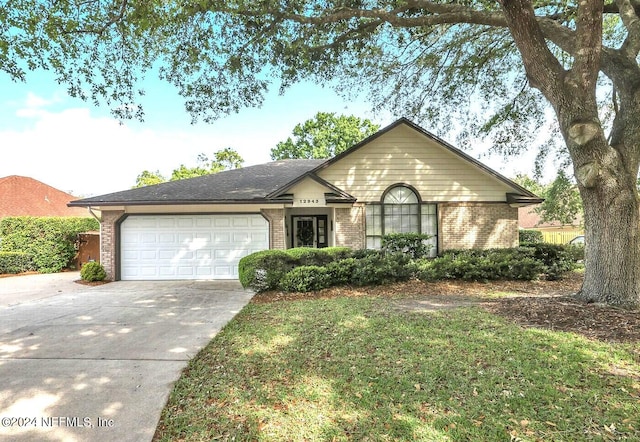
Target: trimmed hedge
[
  {"x": 412, "y": 244},
  {"x": 303, "y": 270},
  {"x": 382, "y": 268},
  {"x": 265, "y": 270},
  {"x": 520, "y": 263},
  {"x": 16, "y": 262},
  {"x": 482, "y": 265},
  {"x": 527, "y": 236},
  {"x": 557, "y": 258},
  {"x": 341, "y": 272},
  {"x": 50, "y": 241},
  {"x": 305, "y": 279}
]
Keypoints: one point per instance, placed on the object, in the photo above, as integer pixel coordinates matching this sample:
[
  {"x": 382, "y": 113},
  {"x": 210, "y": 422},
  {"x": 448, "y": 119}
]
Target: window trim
[
  {"x": 420, "y": 204},
  {"x": 395, "y": 186}
]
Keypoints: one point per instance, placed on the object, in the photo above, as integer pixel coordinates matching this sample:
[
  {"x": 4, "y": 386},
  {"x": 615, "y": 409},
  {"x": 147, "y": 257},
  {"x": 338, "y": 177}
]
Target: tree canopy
[
  {"x": 224, "y": 159},
  {"x": 324, "y": 136},
  {"x": 561, "y": 203},
  {"x": 499, "y": 69}
]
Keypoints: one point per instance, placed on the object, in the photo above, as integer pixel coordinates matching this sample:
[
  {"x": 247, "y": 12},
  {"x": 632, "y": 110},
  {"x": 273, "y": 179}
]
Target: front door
[{"x": 309, "y": 231}]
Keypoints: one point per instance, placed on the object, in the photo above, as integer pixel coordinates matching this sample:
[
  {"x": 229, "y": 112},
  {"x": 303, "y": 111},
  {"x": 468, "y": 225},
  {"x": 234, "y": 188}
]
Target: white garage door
[{"x": 188, "y": 246}]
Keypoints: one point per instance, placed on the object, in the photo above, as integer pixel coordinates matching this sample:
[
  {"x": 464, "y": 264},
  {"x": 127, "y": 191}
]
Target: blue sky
[{"x": 81, "y": 149}]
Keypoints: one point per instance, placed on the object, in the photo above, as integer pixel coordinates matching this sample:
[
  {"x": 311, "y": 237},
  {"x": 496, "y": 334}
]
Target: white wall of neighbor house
[{"x": 403, "y": 155}]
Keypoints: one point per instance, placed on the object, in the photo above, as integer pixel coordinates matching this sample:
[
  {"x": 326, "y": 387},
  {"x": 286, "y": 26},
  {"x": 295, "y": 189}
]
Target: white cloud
[{"x": 78, "y": 152}]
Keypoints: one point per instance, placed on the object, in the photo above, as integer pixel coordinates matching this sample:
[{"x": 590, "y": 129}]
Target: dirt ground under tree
[{"x": 544, "y": 304}]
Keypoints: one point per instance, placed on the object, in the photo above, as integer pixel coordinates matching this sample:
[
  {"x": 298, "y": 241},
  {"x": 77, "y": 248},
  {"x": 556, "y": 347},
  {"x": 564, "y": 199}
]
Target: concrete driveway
[{"x": 81, "y": 363}]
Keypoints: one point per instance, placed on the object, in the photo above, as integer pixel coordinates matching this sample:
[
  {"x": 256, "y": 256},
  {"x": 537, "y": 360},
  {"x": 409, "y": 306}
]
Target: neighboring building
[
  {"x": 24, "y": 196},
  {"x": 552, "y": 232},
  {"x": 402, "y": 179}
]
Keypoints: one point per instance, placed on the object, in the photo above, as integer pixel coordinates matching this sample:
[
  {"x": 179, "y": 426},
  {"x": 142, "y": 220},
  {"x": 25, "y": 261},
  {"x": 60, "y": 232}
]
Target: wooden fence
[{"x": 561, "y": 237}]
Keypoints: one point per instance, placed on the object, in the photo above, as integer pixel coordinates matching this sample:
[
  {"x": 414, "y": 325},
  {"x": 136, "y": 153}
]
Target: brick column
[
  {"x": 349, "y": 226},
  {"x": 108, "y": 241},
  {"x": 276, "y": 227}
]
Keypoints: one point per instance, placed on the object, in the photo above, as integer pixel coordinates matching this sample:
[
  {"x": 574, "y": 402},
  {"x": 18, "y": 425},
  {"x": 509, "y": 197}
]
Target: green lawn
[{"x": 361, "y": 369}]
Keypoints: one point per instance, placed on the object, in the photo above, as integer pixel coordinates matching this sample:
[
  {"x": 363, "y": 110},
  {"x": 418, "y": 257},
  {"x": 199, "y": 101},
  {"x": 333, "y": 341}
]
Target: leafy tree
[
  {"x": 324, "y": 136},
  {"x": 183, "y": 172},
  {"x": 562, "y": 201},
  {"x": 495, "y": 67},
  {"x": 224, "y": 159},
  {"x": 147, "y": 178},
  {"x": 531, "y": 184}
]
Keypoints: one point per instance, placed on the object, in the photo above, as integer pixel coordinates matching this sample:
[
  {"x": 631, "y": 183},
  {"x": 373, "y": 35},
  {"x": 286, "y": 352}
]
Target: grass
[{"x": 360, "y": 369}]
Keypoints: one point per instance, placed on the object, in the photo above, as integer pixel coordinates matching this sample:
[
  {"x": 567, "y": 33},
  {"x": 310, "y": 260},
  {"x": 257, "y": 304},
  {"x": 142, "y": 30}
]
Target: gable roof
[
  {"x": 245, "y": 185},
  {"x": 269, "y": 182},
  {"x": 520, "y": 195},
  {"x": 24, "y": 196}
]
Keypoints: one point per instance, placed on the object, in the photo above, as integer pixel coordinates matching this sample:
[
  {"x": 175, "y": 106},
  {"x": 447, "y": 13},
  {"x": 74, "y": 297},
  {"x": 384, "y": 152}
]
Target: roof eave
[
  {"x": 170, "y": 202},
  {"x": 519, "y": 200}
]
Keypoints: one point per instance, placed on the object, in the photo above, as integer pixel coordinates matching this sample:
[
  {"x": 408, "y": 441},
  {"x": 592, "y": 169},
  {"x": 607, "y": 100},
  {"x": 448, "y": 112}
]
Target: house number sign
[{"x": 309, "y": 201}]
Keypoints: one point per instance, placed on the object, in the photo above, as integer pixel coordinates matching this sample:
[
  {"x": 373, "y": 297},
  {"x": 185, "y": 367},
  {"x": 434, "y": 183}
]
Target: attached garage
[
  {"x": 401, "y": 179},
  {"x": 165, "y": 247}
]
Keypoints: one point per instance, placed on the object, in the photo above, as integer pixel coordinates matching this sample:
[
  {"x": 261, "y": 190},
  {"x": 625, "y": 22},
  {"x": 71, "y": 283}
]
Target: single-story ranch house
[{"x": 401, "y": 179}]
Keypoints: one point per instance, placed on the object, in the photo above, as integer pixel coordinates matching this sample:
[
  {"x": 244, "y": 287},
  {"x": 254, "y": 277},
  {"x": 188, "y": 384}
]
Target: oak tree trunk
[{"x": 612, "y": 244}]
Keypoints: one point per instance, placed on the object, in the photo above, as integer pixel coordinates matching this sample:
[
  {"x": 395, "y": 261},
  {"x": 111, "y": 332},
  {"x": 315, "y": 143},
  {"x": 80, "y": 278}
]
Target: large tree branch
[
  {"x": 543, "y": 70},
  {"x": 629, "y": 16},
  {"x": 588, "y": 46},
  {"x": 431, "y": 14}
]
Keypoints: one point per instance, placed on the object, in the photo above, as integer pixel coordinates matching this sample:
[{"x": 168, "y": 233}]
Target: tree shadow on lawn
[
  {"x": 355, "y": 369},
  {"x": 545, "y": 304}
]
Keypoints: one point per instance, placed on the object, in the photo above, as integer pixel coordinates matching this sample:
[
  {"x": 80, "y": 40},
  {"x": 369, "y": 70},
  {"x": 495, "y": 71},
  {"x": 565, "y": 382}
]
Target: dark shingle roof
[{"x": 248, "y": 184}]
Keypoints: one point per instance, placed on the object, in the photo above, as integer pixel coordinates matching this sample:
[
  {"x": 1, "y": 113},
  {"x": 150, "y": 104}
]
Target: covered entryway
[
  {"x": 164, "y": 247},
  {"x": 309, "y": 231}
]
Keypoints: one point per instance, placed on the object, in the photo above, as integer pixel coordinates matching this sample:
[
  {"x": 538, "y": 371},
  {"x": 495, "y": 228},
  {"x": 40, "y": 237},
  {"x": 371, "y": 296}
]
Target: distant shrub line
[
  {"x": 401, "y": 258},
  {"x": 45, "y": 244}
]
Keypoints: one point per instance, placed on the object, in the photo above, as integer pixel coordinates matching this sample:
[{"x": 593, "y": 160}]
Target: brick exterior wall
[
  {"x": 349, "y": 226},
  {"x": 276, "y": 227},
  {"x": 477, "y": 225},
  {"x": 108, "y": 241}
]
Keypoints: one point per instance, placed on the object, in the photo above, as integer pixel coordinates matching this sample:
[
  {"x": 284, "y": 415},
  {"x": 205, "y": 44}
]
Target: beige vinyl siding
[
  {"x": 308, "y": 188},
  {"x": 403, "y": 155}
]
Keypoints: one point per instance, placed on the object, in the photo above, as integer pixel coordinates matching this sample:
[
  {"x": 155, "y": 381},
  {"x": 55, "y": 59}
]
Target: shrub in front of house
[
  {"x": 341, "y": 272},
  {"x": 305, "y": 279},
  {"x": 481, "y": 265},
  {"x": 307, "y": 256},
  {"x": 263, "y": 270},
  {"x": 266, "y": 269},
  {"x": 93, "y": 271},
  {"x": 309, "y": 269},
  {"x": 528, "y": 236},
  {"x": 413, "y": 245},
  {"x": 382, "y": 268},
  {"x": 49, "y": 240},
  {"x": 16, "y": 262},
  {"x": 557, "y": 258}
]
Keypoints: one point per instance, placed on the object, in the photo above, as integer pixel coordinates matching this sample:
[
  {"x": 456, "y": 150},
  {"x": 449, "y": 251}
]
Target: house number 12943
[{"x": 308, "y": 201}]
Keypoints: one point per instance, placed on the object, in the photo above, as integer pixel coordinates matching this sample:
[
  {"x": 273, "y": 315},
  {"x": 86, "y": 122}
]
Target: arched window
[{"x": 400, "y": 211}]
